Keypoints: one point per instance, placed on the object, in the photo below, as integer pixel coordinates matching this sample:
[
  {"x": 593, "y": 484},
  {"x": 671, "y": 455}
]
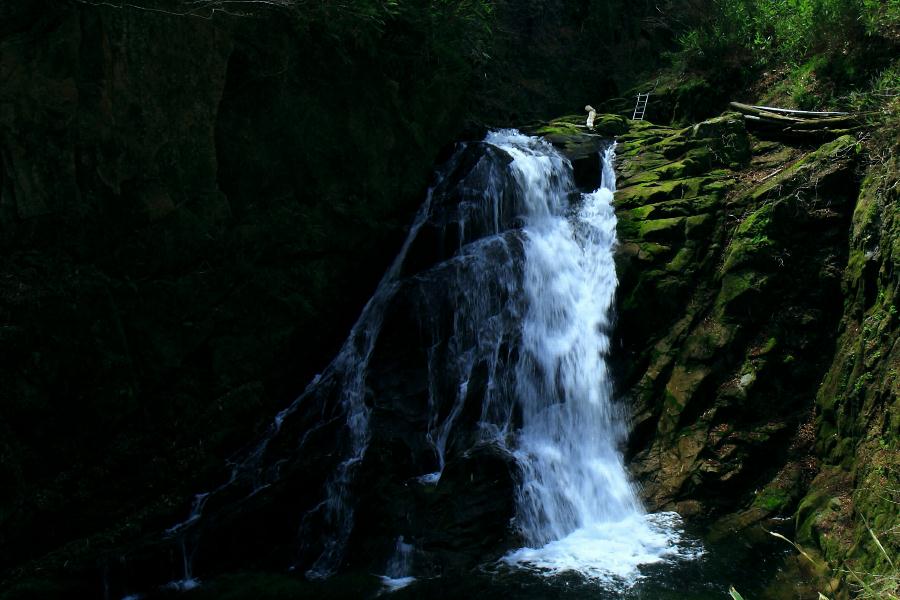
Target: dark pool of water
[
  {"x": 760, "y": 566},
  {"x": 749, "y": 567}
]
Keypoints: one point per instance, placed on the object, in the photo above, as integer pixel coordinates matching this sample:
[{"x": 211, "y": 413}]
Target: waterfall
[
  {"x": 397, "y": 575},
  {"x": 490, "y": 329},
  {"x": 577, "y": 509}
]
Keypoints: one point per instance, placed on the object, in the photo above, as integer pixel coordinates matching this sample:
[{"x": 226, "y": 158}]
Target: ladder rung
[{"x": 640, "y": 107}]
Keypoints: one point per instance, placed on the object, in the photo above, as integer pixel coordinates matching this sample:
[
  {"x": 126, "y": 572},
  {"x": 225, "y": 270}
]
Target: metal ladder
[{"x": 640, "y": 107}]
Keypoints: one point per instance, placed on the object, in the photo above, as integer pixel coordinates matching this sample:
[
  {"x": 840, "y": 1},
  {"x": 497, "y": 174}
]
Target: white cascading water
[
  {"x": 531, "y": 284},
  {"x": 577, "y": 509}
]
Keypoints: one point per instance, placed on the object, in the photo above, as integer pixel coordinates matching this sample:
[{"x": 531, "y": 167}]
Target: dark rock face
[
  {"x": 752, "y": 395},
  {"x": 306, "y": 498},
  {"x": 190, "y": 221},
  {"x": 730, "y": 296},
  {"x": 856, "y": 494}
]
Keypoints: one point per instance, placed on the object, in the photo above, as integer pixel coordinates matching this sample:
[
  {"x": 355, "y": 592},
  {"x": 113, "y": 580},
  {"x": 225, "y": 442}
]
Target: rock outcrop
[
  {"x": 738, "y": 293},
  {"x": 757, "y": 330},
  {"x": 855, "y": 497},
  {"x": 190, "y": 221}
]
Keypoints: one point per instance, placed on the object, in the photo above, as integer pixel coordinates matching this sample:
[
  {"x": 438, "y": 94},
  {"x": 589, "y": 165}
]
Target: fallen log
[
  {"x": 746, "y": 109},
  {"x": 791, "y": 111},
  {"x": 788, "y": 124},
  {"x": 763, "y": 115},
  {"x": 798, "y": 130}
]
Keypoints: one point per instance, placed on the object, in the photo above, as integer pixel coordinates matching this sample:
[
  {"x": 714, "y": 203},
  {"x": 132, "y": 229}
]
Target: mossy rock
[
  {"x": 822, "y": 511},
  {"x": 679, "y": 169},
  {"x": 36, "y": 589},
  {"x": 740, "y": 292},
  {"x": 753, "y": 238},
  {"x": 687, "y": 207},
  {"x": 699, "y": 227},
  {"x": 759, "y": 236},
  {"x": 710, "y": 338},
  {"x": 728, "y": 141},
  {"x": 662, "y": 230},
  {"x": 772, "y": 499},
  {"x": 650, "y": 252},
  {"x": 651, "y": 193},
  {"x": 641, "y": 213},
  {"x": 679, "y": 393},
  {"x": 812, "y": 172},
  {"x": 628, "y": 228},
  {"x": 683, "y": 261},
  {"x": 611, "y": 125},
  {"x": 560, "y": 127},
  {"x": 276, "y": 586},
  {"x": 571, "y": 125}
]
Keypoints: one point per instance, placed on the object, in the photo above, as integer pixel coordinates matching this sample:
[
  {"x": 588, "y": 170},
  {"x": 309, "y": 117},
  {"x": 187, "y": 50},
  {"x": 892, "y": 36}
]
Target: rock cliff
[{"x": 757, "y": 329}]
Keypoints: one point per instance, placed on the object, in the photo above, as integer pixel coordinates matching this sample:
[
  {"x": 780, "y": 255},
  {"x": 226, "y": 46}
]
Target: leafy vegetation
[
  {"x": 813, "y": 52},
  {"x": 789, "y": 30}
]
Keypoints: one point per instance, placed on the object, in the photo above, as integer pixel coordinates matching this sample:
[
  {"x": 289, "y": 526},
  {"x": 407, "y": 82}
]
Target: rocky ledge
[{"x": 755, "y": 323}]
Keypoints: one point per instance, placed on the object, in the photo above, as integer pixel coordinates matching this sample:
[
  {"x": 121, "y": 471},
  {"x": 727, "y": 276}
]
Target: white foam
[
  {"x": 392, "y": 584},
  {"x": 609, "y": 553},
  {"x": 183, "y": 585},
  {"x": 576, "y": 507}
]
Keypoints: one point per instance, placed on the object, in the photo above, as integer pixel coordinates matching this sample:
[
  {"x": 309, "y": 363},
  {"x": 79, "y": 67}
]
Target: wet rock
[
  {"x": 721, "y": 311},
  {"x": 190, "y": 220}
]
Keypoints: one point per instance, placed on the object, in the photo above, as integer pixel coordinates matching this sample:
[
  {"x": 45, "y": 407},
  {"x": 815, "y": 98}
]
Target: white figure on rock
[{"x": 592, "y": 114}]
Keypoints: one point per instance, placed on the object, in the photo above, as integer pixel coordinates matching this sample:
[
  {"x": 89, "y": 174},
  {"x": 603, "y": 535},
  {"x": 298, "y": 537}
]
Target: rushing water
[
  {"x": 514, "y": 312},
  {"x": 576, "y": 506}
]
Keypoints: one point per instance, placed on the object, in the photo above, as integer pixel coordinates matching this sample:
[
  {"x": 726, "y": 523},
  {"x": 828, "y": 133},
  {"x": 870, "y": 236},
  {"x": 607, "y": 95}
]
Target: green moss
[
  {"x": 752, "y": 243},
  {"x": 683, "y": 383},
  {"x": 772, "y": 499},
  {"x": 647, "y": 176},
  {"x": 699, "y": 226},
  {"x": 650, "y": 193},
  {"x": 855, "y": 264},
  {"x": 665, "y": 230},
  {"x": 607, "y": 124},
  {"x": 562, "y": 129},
  {"x": 35, "y": 589},
  {"x": 650, "y": 251},
  {"x": 641, "y": 212},
  {"x": 720, "y": 187},
  {"x": 729, "y": 142},
  {"x": 738, "y": 291},
  {"x": 627, "y": 228},
  {"x": 708, "y": 339},
  {"x": 813, "y": 167},
  {"x": 824, "y": 506},
  {"x": 675, "y": 170},
  {"x": 682, "y": 261},
  {"x": 686, "y": 207},
  {"x": 573, "y": 125}
]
